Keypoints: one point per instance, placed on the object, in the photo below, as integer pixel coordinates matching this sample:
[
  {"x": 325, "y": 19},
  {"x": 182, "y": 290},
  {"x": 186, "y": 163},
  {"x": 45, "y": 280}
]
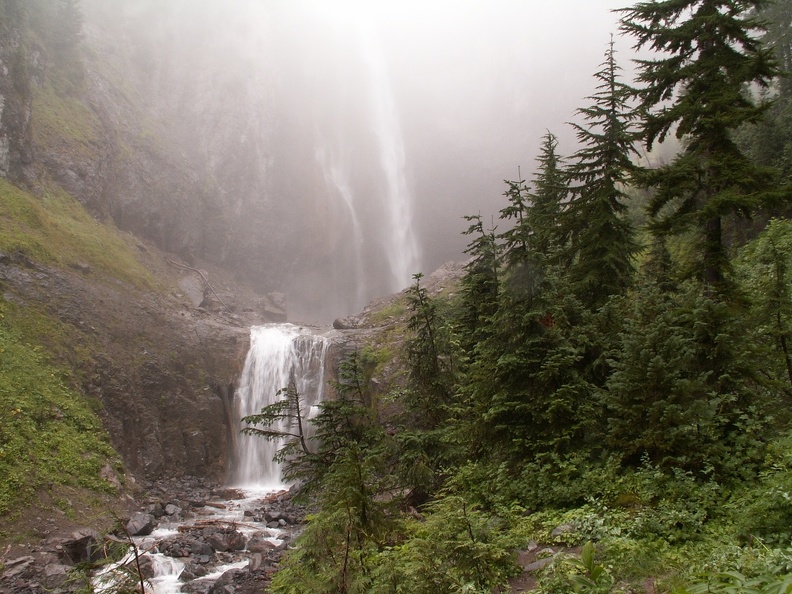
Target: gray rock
[
  {"x": 141, "y": 524},
  {"x": 348, "y": 323},
  {"x": 55, "y": 575},
  {"x": 231, "y": 540},
  {"x": 82, "y": 546},
  {"x": 256, "y": 562},
  {"x": 257, "y": 544},
  {"x": 155, "y": 509},
  {"x": 17, "y": 567},
  {"x": 562, "y": 530},
  {"x": 538, "y": 564}
]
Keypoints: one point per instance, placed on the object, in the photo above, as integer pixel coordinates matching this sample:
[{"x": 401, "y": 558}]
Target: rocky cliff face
[
  {"x": 153, "y": 361},
  {"x": 16, "y": 62}
]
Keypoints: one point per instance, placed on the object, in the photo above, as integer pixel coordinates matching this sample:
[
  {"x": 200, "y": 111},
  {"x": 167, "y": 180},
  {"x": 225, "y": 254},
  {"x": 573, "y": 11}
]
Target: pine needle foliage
[
  {"x": 699, "y": 91},
  {"x": 548, "y": 195},
  {"x": 602, "y": 243}
]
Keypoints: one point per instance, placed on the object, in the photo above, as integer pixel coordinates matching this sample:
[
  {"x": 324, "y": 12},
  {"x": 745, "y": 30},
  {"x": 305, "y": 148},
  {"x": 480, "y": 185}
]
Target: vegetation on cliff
[{"x": 51, "y": 435}]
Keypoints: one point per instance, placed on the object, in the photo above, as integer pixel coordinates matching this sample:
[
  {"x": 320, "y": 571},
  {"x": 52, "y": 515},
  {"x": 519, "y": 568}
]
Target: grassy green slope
[
  {"x": 56, "y": 230},
  {"x": 50, "y": 433}
]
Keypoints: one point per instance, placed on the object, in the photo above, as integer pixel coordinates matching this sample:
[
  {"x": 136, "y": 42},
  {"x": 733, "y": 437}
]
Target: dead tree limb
[{"x": 203, "y": 276}]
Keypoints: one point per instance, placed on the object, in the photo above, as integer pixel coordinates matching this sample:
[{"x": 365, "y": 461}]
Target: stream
[{"x": 206, "y": 539}]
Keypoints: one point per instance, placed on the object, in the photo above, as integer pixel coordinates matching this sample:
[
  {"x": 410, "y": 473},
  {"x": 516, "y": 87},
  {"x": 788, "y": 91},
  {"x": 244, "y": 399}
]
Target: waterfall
[
  {"x": 336, "y": 178},
  {"x": 401, "y": 244},
  {"x": 364, "y": 182},
  {"x": 277, "y": 353}
]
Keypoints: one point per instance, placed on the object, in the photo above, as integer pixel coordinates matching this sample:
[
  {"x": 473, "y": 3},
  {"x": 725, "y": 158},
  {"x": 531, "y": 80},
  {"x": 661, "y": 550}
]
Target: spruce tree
[
  {"x": 602, "y": 243},
  {"x": 517, "y": 239},
  {"x": 479, "y": 286},
  {"x": 550, "y": 190},
  {"x": 701, "y": 90},
  {"x": 68, "y": 26}
]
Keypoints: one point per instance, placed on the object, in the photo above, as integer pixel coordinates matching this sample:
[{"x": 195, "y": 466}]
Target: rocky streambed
[{"x": 190, "y": 537}]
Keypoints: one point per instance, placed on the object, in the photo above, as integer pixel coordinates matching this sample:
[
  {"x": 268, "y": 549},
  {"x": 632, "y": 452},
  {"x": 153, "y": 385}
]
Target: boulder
[
  {"x": 82, "y": 546},
  {"x": 258, "y": 544},
  {"x": 18, "y": 567},
  {"x": 563, "y": 530},
  {"x": 348, "y": 323},
  {"x": 55, "y": 575},
  {"x": 155, "y": 509},
  {"x": 141, "y": 524},
  {"x": 230, "y": 540}
]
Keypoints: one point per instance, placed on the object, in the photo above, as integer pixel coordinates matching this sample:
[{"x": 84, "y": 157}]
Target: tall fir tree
[
  {"x": 479, "y": 286},
  {"x": 68, "y": 26},
  {"x": 777, "y": 17},
  {"x": 602, "y": 242},
  {"x": 699, "y": 90},
  {"x": 516, "y": 239},
  {"x": 549, "y": 193}
]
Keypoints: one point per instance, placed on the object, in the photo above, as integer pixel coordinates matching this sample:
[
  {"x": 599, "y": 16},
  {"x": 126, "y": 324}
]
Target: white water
[
  {"x": 166, "y": 570},
  {"x": 278, "y": 353},
  {"x": 166, "y": 574},
  {"x": 337, "y": 178},
  {"x": 367, "y": 186},
  {"x": 401, "y": 244}
]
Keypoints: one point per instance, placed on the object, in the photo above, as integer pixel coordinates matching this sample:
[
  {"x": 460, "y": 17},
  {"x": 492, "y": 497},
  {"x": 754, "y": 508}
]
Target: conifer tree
[
  {"x": 479, "y": 294},
  {"x": 550, "y": 190},
  {"x": 517, "y": 239},
  {"x": 68, "y": 26},
  {"x": 698, "y": 91},
  {"x": 602, "y": 241},
  {"x": 777, "y": 17}
]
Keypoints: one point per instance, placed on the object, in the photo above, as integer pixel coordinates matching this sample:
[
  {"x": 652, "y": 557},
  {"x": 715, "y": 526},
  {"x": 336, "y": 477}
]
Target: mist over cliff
[{"x": 336, "y": 146}]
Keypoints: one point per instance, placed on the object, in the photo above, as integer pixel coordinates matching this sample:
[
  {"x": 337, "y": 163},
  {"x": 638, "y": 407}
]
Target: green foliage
[
  {"x": 582, "y": 573},
  {"x": 517, "y": 239},
  {"x": 641, "y": 412},
  {"x": 350, "y": 467},
  {"x": 601, "y": 239},
  {"x": 550, "y": 192},
  {"x": 733, "y": 582},
  {"x": 696, "y": 90},
  {"x": 56, "y": 230},
  {"x": 526, "y": 390},
  {"x": 479, "y": 289},
  {"x": 454, "y": 548},
  {"x": 333, "y": 553},
  {"x": 49, "y": 436},
  {"x": 430, "y": 359},
  {"x": 761, "y": 273},
  {"x": 765, "y": 510},
  {"x": 388, "y": 314},
  {"x": 675, "y": 393}
]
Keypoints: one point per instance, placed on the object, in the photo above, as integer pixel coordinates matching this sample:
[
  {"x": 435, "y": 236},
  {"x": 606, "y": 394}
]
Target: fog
[{"x": 348, "y": 138}]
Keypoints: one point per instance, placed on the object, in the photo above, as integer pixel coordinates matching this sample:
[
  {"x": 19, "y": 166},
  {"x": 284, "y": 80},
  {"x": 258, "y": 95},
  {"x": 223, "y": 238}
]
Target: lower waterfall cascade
[
  {"x": 204, "y": 535},
  {"x": 279, "y": 354}
]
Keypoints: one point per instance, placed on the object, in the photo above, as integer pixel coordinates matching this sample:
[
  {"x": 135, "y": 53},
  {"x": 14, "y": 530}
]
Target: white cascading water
[
  {"x": 402, "y": 246},
  {"x": 336, "y": 178},
  {"x": 277, "y": 353},
  {"x": 371, "y": 188}
]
